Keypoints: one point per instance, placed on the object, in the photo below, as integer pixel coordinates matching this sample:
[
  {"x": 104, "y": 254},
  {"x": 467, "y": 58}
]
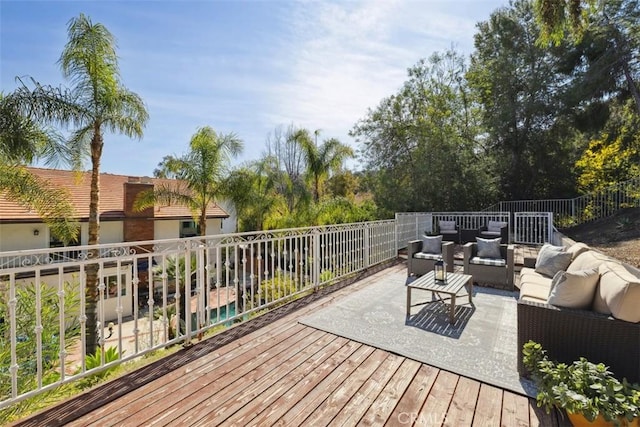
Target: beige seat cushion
[
  {"x": 535, "y": 286},
  {"x": 618, "y": 292},
  {"x": 574, "y": 289},
  {"x": 586, "y": 260},
  {"x": 526, "y": 273}
]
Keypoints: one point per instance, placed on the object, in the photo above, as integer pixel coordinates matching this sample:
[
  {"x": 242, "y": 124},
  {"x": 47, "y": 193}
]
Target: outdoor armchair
[
  {"x": 493, "y": 229},
  {"x": 419, "y": 262},
  {"x": 490, "y": 268},
  {"x": 449, "y": 231}
]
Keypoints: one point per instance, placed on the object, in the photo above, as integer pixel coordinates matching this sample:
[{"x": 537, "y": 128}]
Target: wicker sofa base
[{"x": 568, "y": 334}]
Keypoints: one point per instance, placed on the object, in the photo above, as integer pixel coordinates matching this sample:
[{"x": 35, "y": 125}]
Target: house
[{"x": 23, "y": 229}]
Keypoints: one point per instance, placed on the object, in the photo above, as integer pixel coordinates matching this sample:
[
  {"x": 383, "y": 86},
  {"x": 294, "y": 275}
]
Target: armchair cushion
[
  {"x": 552, "y": 259},
  {"x": 574, "y": 289},
  {"x": 498, "y": 262},
  {"x": 432, "y": 244},
  {"x": 424, "y": 255},
  {"x": 488, "y": 248}
]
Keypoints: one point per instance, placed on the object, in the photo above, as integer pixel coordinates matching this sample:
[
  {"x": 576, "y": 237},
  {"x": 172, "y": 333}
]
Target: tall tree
[
  {"x": 21, "y": 142},
  {"x": 422, "y": 145},
  {"x": 254, "y": 193},
  {"x": 611, "y": 29},
  {"x": 201, "y": 175},
  {"x": 522, "y": 93},
  {"x": 96, "y": 103},
  {"x": 323, "y": 159}
]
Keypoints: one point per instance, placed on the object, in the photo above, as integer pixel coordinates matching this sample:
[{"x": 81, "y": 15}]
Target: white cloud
[{"x": 345, "y": 57}]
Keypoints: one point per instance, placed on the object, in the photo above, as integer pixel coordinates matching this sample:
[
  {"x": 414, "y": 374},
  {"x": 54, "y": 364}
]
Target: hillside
[{"x": 617, "y": 236}]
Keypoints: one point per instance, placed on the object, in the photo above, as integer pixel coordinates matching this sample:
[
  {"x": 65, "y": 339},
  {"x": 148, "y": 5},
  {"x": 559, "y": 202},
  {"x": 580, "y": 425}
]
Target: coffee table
[{"x": 443, "y": 290}]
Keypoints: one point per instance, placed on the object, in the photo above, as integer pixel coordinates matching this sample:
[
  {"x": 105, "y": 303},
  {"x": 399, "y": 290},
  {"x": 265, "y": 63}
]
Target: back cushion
[
  {"x": 576, "y": 249},
  {"x": 495, "y": 225},
  {"x": 432, "y": 244},
  {"x": 618, "y": 292},
  {"x": 574, "y": 289},
  {"x": 586, "y": 260},
  {"x": 447, "y": 225}
]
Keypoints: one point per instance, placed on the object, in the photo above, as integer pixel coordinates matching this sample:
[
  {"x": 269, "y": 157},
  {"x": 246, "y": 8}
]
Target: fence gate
[{"x": 533, "y": 228}]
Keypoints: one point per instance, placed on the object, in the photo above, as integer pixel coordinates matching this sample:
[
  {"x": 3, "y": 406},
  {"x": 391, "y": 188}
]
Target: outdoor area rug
[{"x": 481, "y": 344}]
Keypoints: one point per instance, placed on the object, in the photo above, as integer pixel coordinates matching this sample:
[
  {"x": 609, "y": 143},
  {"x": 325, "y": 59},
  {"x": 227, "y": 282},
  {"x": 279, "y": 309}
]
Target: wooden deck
[{"x": 275, "y": 371}]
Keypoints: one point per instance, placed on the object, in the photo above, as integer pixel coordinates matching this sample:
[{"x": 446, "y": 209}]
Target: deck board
[{"x": 287, "y": 374}]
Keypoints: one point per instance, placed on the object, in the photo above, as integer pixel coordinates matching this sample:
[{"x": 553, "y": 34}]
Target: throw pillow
[
  {"x": 432, "y": 244},
  {"x": 447, "y": 225},
  {"x": 574, "y": 289},
  {"x": 552, "y": 259},
  {"x": 488, "y": 248}
]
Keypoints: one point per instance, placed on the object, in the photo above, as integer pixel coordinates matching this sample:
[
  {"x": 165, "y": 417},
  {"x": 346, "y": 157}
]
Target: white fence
[
  {"x": 412, "y": 225},
  {"x": 586, "y": 208},
  {"x": 533, "y": 228},
  {"x": 215, "y": 280}
]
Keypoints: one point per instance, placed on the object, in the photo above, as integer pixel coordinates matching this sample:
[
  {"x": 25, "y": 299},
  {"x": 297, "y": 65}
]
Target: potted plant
[{"x": 588, "y": 392}]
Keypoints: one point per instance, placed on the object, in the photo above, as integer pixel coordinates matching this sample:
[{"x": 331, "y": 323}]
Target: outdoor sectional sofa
[{"x": 569, "y": 323}]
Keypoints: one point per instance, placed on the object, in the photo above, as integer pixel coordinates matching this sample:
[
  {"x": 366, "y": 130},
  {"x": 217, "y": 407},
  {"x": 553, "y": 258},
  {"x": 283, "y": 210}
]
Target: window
[
  {"x": 112, "y": 288},
  {"x": 188, "y": 229}
]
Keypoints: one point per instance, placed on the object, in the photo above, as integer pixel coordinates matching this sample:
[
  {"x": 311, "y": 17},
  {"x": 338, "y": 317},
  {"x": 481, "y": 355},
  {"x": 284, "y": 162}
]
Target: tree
[
  {"x": 611, "y": 24},
  {"x": 201, "y": 175},
  {"x": 96, "y": 103},
  {"x": 422, "y": 145},
  {"x": 286, "y": 169},
  {"x": 322, "y": 159},
  {"x": 614, "y": 154},
  {"x": 524, "y": 106},
  {"x": 557, "y": 17},
  {"x": 21, "y": 142},
  {"x": 253, "y": 191}
]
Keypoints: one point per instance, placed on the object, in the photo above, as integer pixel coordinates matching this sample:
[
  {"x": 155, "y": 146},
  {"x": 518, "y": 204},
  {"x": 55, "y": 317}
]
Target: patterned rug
[{"x": 481, "y": 344}]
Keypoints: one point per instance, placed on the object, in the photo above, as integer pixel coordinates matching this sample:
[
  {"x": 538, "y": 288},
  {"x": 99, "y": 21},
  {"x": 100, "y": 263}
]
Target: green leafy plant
[
  {"x": 582, "y": 387},
  {"x": 93, "y": 361}
]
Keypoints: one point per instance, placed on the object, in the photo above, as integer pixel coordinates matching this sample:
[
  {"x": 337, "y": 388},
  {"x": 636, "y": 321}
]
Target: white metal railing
[
  {"x": 585, "y": 208},
  {"x": 145, "y": 288},
  {"x": 411, "y": 225}
]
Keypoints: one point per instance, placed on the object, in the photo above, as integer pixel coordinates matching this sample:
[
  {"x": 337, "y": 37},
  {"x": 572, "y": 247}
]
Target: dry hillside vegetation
[{"x": 617, "y": 236}]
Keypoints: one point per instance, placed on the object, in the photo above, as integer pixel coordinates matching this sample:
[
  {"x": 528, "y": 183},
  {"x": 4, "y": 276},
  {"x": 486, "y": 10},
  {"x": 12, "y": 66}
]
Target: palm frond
[{"x": 52, "y": 204}]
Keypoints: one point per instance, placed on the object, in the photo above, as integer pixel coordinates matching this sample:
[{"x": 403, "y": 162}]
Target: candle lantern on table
[{"x": 440, "y": 271}]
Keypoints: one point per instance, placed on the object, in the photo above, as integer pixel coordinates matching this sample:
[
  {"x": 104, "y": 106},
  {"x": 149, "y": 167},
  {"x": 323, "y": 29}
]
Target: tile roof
[{"x": 111, "y": 197}]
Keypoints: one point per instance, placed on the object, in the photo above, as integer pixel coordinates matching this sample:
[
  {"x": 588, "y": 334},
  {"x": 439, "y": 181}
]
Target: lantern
[{"x": 440, "y": 271}]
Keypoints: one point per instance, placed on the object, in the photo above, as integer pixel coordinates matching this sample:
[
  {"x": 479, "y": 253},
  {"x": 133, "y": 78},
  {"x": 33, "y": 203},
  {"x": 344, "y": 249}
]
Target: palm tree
[
  {"x": 96, "y": 103},
  {"x": 22, "y": 142},
  {"x": 201, "y": 175},
  {"x": 322, "y": 159}
]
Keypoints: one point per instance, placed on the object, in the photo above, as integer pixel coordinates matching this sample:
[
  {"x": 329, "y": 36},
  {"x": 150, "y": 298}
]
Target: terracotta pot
[{"x": 578, "y": 420}]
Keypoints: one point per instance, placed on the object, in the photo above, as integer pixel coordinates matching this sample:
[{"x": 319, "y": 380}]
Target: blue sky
[{"x": 241, "y": 66}]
